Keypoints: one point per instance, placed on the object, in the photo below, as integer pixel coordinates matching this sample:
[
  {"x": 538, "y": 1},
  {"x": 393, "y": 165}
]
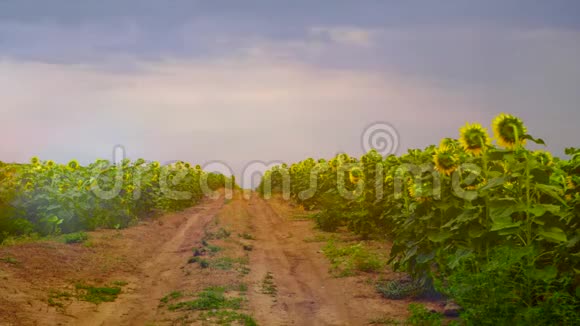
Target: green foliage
[
  {"x": 268, "y": 285},
  {"x": 421, "y": 316},
  {"x": 171, "y": 296},
  {"x": 228, "y": 317},
  {"x": 50, "y": 198},
  {"x": 221, "y": 233},
  {"x": 77, "y": 237},
  {"x": 399, "y": 289},
  {"x": 346, "y": 260},
  {"x": 454, "y": 203},
  {"x": 210, "y": 298},
  {"x": 96, "y": 295}
]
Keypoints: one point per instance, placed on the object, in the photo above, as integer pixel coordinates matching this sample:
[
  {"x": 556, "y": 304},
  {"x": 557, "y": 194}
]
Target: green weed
[
  {"x": 268, "y": 285},
  {"x": 210, "y": 298},
  {"x": 78, "y": 237}
]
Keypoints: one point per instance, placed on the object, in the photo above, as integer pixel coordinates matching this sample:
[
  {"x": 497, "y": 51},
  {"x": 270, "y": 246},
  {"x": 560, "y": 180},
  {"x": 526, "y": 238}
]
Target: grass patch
[
  {"x": 399, "y": 289},
  {"x": 227, "y": 317},
  {"x": 171, "y": 296},
  {"x": 348, "y": 260},
  {"x": 208, "y": 299},
  {"x": 77, "y": 237},
  {"x": 119, "y": 283},
  {"x": 268, "y": 285},
  {"x": 223, "y": 263},
  {"x": 221, "y": 233},
  {"x": 95, "y": 294},
  {"x": 384, "y": 321},
  {"x": 59, "y": 299},
  {"x": 213, "y": 249}
]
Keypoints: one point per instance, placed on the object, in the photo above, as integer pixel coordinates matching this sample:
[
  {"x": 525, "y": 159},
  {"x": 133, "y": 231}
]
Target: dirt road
[{"x": 262, "y": 241}]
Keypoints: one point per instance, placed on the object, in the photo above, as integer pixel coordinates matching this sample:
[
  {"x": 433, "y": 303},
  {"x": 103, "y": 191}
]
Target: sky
[{"x": 244, "y": 81}]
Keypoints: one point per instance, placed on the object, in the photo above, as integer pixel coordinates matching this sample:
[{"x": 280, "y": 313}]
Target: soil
[{"x": 153, "y": 259}]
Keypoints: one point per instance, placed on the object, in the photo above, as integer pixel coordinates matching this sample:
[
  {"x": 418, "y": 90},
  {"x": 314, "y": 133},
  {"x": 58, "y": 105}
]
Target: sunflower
[
  {"x": 34, "y": 160},
  {"x": 73, "y": 165},
  {"x": 49, "y": 163},
  {"x": 449, "y": 143},
  {"x": 355, "y": 175},
  {"x": 187, "y": 165},
  {"x": 334, "y": 164},
  {"x": 474, "y": 139},
  {"x": 545, "y": 158},
  {"x": 509, "y": 130},
  {"x": 155, "y": 164},
  {"x": 29, "y": 186},
  {"x": 446, "y": 161}
]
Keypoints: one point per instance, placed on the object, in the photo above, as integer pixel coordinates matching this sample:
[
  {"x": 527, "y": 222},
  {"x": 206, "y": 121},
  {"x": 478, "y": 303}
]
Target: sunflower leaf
[
  {"x": 538, "y": 141},
  {"x": 554, "y": 234}
]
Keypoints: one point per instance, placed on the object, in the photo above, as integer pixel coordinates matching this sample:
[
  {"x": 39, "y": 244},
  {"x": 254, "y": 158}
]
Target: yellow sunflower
[
  {"x": 509, "y": 130},
  {"x": 449, "y": 143},
  {"x": 50, "y": 163},
  {"x": 73, "y": 165},
  {"x": 446, "y": 161},
  {"x": 34, "y": 160},
  {"x": 545, "y": 158},
  {"x": 474, "y": 138},
  {"x": 355, "y": 175}
]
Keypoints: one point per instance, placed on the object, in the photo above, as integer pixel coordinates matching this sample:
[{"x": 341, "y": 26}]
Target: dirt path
[
  {"x": 158, "y": 276},
  {"x": 307, "y": 295},
  {"x": 261, "y": 239}
]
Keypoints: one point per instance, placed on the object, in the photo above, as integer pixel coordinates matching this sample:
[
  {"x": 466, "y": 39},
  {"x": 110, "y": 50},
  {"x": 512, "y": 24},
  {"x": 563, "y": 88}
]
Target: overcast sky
[{"x": 239, "y": 81}]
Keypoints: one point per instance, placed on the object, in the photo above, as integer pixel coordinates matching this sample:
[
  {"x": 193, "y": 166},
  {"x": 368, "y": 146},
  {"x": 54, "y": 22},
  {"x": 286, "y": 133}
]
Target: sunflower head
[
  {"x": 449, "y": 143},
  {"x": 155, "y": 164},
  {"x": 50, "y": 163},
  {"x": 474, "y": 138},
  {"x": 355, "y": 175},
  {"x": 446, "y": 160},
  {"x": 198, "y": 167},
  {"x": 509, "y": 130},
  {"x": 545, "y": 158},
  {"x": 334, "y": 164},
  {"x": 29, "y": 186},
  {"x": 139, "y": 161},
  {"x": 34, "y": 160},
  {"x": 73, "y": 165}
]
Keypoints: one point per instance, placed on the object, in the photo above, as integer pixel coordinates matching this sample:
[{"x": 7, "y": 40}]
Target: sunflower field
[
  {"x": 494, "y": 227},
  {"x": 47, "y": 198}
]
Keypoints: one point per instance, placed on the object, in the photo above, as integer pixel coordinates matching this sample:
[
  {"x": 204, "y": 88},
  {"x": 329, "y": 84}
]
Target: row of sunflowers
[
  {"x": 48, "y": 198},
  {"x": 495, "y": 227}
]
